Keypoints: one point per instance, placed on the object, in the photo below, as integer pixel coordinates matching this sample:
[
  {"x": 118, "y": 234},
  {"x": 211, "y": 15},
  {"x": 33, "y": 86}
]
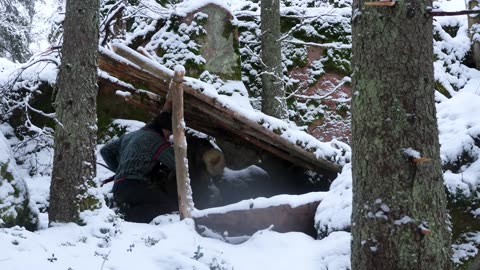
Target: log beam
[{"x": 284, "y": 218}]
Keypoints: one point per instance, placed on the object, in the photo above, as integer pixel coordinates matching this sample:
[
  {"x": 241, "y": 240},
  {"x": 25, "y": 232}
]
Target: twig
[
  {"x": 302, "y": 86},
  {"x": 340, "y": 84},
  {"x": 334, "y": 45},
  {"x": 106, "y": 24},
  {"x": 105, "y": 258}
]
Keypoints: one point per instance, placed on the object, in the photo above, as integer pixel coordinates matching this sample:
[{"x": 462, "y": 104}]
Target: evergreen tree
[
  {"x": 75, "y": 135},
  {"x": 399, "y": 218},
  {"x": 15, "y": 23},
  {"x": 273, "y": 92}
]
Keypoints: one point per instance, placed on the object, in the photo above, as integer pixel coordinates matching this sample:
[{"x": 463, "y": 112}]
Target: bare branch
[
  {"x": 340, "y": 84},
  {"x": 333, "y": 45}
]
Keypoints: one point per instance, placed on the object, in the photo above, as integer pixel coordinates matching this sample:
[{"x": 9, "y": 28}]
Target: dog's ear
[{"x": 214, "y": 161}]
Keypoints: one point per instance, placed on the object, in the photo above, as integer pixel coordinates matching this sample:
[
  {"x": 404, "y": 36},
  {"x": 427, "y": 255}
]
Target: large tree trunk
[
  {"x": 273, "y": 92},
  {"x": 396, "y": 195},
  {"x": 75, "y": 135}
]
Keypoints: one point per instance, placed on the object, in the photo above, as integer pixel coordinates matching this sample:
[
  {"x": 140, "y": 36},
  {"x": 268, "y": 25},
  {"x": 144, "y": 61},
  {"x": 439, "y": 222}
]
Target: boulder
[
  {"x": 15, "y": 206},
  {"x": 219, "y": 46}
]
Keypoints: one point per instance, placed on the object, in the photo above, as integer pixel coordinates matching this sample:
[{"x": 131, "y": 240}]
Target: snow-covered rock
[
  {"x": 15, "y": 206},
  {"x": 334, "y": 211},
  {"x": 459, "y": 128}
]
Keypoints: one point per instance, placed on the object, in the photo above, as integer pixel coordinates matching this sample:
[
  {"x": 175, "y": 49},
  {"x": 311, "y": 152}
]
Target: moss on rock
[{"x": 14, "y": 207}]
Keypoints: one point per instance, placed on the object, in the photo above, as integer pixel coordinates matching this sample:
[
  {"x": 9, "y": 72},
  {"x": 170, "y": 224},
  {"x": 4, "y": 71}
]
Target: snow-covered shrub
[
  {"x": 459, "y": 129},
  {"x": 466, "y": 248},
  {"x": 316, "y": 37},
  {"x": 175, "y": 44},
  {"x": 15, "y": 27},
  {"x": 451, "y": 46},
  {"x": 26, "y": 105},
  {"x": 26, "y": 93},
  {"x": 334, "y": 211},
  {"x": 15, "y": 208}
]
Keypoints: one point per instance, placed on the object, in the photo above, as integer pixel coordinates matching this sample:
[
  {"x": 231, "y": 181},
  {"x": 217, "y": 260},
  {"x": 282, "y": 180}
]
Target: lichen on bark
[{"x": 394, "y": 198}]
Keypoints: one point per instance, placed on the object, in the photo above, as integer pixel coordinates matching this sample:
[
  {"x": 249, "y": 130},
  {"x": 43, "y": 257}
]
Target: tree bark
[
  {"x": 399, "y": 218},
  {"x": 75, "y": 135},
  {"x": 273, "y": 92},
  {"x": 474, "y": 26}
]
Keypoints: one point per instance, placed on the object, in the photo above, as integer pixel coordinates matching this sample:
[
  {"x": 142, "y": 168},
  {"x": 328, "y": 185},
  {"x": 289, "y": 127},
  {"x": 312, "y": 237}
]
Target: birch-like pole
[{"x": 185, "y": 202}]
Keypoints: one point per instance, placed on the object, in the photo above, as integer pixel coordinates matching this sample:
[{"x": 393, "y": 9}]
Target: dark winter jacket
[{"x": 136, "y": 154}]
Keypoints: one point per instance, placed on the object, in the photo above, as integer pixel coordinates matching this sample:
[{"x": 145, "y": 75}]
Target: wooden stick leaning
[{"x": 185, "y": 202}]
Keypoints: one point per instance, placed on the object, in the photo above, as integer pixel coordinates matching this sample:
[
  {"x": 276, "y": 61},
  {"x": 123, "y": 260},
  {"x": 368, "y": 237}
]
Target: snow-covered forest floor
[{"x": 108, "y": 242}]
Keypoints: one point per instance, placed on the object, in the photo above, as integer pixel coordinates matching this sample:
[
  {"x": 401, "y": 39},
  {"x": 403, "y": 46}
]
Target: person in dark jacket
[{"x": 135, "y": 158}]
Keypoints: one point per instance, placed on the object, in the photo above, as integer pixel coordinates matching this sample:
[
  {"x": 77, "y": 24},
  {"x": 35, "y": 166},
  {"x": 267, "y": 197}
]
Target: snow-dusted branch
[
  {"x": 106, "y": 25},
  {"x": 333, "y": 45},
  {"x": 304, "y": 20},
  {"x": 340, "y": 84},
  {"x": 20, "y": 90},
  {"x": 300, "y": 87}
]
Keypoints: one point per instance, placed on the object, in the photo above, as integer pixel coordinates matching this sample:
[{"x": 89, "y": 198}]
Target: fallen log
[
  {"x": 282, "y": 218},
  {"x": 278, "y": 215}
]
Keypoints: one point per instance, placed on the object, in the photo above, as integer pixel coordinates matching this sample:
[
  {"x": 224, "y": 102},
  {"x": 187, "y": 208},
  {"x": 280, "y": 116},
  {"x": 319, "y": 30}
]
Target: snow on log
[{"x": 283, "y": 213}]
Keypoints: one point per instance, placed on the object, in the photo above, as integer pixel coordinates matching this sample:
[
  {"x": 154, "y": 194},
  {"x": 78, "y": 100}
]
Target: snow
[
  {"x": 334, "y": 211},
  {"x": 121, "y": 245},
  {"x": 46, "y": 13},
  {"x": 6, "y": 64},
  {"x": 452, "y": 48},
  {"x": 179, "y": 69},
  {"x": 130, "y": 125},
  {"x": 123, "y": 93},
  {"x": 108, "y": 242},
  {"x": 13, "y": 188},
  {"x": 292, "y": 200},
  {"x": 459, "y": 127},
  {"x": 403, "y": 220},
  {"x": 469, "y": 248},
  {"x": 411, "y": 153},
  {"x": 191, "y": 5}
]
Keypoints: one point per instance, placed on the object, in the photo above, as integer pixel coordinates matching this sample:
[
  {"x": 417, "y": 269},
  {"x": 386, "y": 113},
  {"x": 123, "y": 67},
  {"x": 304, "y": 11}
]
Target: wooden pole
[
  {"x": 138, "y": 69},
  {"x": 185, "y": 202}
]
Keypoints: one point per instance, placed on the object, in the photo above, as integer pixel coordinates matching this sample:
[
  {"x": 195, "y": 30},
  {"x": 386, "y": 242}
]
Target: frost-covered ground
[
  {"x": 114, "y": 244},
  {"x": 107, "y": 242}
]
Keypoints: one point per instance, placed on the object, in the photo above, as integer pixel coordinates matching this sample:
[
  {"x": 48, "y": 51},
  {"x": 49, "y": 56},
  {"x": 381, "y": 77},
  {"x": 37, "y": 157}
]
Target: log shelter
[
  {"x": 125, "y": 69},
  {"x": 133, "y": 71}
]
